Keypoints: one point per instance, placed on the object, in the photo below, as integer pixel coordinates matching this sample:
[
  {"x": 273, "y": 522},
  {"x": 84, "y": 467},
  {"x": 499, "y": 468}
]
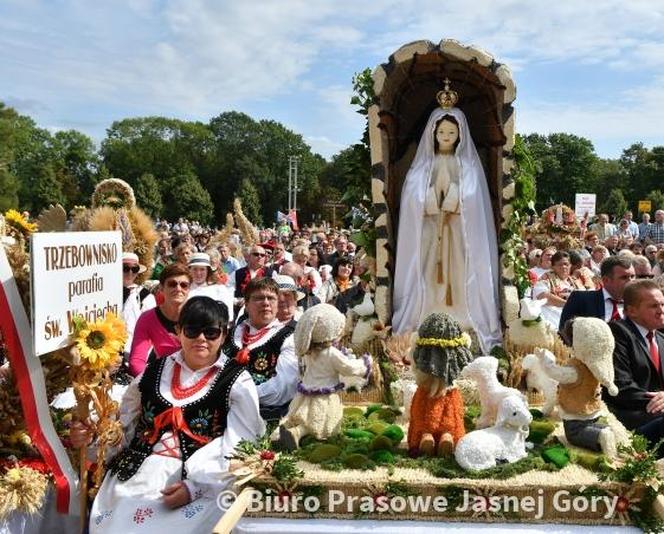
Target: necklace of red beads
[
  {"x": 179, "y": 392},
  {"x": 242, "y": 357}
]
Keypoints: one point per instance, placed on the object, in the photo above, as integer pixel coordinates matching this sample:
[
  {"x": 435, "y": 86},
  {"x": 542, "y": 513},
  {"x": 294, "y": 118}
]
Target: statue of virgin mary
[{"x": 447, "y": 251}]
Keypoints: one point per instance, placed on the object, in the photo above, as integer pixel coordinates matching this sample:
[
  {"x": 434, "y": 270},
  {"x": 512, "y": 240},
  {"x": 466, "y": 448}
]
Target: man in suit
[
  {"x": 605, "y": 303},
  {"x": 638, "y": 360}
]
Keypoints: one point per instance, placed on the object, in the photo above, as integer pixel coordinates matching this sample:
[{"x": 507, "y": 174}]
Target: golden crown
[{"x": 447, "y": 98}]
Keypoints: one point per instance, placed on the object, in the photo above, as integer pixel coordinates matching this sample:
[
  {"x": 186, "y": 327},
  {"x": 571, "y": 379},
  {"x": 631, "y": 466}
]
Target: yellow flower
[
  {"x": 15, "y": 219},
  {"x": 100, "y": 343}
]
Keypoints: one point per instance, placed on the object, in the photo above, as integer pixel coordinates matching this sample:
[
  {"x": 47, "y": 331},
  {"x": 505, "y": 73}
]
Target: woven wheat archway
[{"x": 405, "y": 89}]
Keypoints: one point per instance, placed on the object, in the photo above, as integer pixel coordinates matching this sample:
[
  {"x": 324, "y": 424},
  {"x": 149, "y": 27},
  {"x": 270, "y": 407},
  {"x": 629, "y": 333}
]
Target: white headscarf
[{"x": 479, "y": 236}]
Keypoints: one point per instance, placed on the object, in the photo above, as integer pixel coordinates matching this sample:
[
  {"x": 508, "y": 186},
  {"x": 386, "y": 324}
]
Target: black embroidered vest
[
  {"x": 205, "y": 417},
  {"x": 263, "y": 358}
]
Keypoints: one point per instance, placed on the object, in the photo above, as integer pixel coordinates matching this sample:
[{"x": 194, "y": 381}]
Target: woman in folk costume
[
  {"x": 317, "y": 409},
  {"x": 181, "y": 418},
  {"x": 447, "y": 253}
]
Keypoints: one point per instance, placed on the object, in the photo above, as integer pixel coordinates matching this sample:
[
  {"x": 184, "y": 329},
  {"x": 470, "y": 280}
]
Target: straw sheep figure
[
  {"x": 530, "y": 330},
  {"x": 503, "y": 442},
  {"x": 483, "y": 371},
  {"x": 537, "y": 378}
]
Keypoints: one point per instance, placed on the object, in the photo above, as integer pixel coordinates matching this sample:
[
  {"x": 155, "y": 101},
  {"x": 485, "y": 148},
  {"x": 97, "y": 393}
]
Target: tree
[
  {"x": 47, "y": 190},
  {"x": 567, "y": 164},
  {"x": 615, "y": 204},
  {"x": 656, "y": 198},
  {"x": 76, "y": 162},
  {"x": 8, "y": 190},
  {"x": 148, "y": 196},
  {"x": 251, "y": 204},
  {"x": 186, "y": 197}
]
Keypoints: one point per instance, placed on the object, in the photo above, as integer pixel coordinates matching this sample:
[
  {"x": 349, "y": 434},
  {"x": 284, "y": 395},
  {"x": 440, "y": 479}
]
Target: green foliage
[
  {"x": 8, "y": 190},
  {"x": 615, "y": 203},
  {"x": 251, "y": 204},
  {"x": 540, "y": 430},
  {"x": 382, "y": 457},
  {"x": 47, "y": 189},
  {"x": 567, "y": 164},
  {"x": 511, "y": 242},
  {"x": 148, "y": 195},
  {"x": 285, "y": 469},
  {"x": 381, "y": 442},
  {"x": 186, "y": 197},
  {"x": 639, "y": 462},
  {"x": 323, "y": 452},
  {"x": 656, "y": 198},
  {"x": 395, "y": 433}
]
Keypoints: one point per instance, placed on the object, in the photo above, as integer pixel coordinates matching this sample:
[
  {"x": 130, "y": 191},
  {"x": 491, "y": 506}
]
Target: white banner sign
[
  {"x": 585, "y": 203},
  {"x": 73, "y": 273}
]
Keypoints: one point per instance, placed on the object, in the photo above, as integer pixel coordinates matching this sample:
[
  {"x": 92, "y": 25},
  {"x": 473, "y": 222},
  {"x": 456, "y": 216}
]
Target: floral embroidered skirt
[{"x": 136, "y": 505}]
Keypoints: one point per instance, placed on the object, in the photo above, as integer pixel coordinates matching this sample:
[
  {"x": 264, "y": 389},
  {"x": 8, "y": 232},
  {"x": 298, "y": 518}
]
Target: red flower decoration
[{"x": 267, "y": 455}]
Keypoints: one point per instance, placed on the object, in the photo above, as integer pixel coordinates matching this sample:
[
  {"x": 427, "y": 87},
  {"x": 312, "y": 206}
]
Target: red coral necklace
[
  {"x": 179, "y": 392},
  {"x": 242, "y": 357}
]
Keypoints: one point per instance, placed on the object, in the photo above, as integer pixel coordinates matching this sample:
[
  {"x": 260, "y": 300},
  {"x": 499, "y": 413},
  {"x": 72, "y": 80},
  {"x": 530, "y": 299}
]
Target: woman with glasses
[
  {"x": 135, "y": 298},
  {"x": 155, "y": 328},
  {"x": 181, "y": 418}
]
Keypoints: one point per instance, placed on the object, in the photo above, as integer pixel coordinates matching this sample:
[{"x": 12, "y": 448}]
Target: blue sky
[{"x": 593, "y": 68}]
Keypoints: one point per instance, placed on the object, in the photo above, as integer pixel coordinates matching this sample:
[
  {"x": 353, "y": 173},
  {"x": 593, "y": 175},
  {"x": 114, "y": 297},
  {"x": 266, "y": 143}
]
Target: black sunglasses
[
  {"x": 134, "y": 269},
  {"x": 641, "y": 276},
  {"x": 210, "y": 332},
  {"x": 258, "y": 254}
]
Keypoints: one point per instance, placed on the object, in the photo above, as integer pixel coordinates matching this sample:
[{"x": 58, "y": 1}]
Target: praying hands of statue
[{"x": 176, "y": 495}]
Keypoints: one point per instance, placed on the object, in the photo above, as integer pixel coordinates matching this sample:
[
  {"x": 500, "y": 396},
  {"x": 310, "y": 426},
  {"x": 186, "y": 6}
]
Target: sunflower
[
  {"x": 99, "y": 343},
  {"x": 20, "y": 223}
]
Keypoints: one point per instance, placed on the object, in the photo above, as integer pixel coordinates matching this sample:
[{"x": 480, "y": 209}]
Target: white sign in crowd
[
  {"x": 585, "y": 204},
  {"x": 73, "y": 273}
]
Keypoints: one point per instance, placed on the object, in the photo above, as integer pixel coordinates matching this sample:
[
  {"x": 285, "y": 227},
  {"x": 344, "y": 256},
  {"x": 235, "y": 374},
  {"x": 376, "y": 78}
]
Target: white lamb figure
[
  {"x": 483, "y": 371},
  {"x": 530, "y": 329},
  {"x": 504, "y": 441},
  {"x": 537, "y": 378}
]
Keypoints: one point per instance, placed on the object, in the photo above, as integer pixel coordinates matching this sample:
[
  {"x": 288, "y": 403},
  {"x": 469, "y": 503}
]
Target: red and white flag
[{"x": 29, "y": 377}]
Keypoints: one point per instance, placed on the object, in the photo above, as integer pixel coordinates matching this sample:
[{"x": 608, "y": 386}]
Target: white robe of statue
[
  {"x": 443, "y": 253},
  {"x": 447, "y": 239}
]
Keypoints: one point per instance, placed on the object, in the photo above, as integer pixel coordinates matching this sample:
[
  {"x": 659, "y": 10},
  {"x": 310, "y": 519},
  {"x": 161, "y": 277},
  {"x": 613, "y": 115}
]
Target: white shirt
[{"x": 608, "y": 306}]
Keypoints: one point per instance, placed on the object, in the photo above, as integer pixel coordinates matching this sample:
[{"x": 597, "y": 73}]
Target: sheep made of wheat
[
  {"x": 537, "y": 378},
  {"x": 504, "y": 441},
  {"x": 483, "y": 371},
  {"x": 530, "y": 330}
]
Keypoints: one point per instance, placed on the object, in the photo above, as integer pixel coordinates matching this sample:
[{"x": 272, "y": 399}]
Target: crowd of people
[
  {"x": 618, "y": 276},
  {"x": 555, "y": 274},
  {"x": 211, "y": 357},
  {"x": 210, "y": 360}
]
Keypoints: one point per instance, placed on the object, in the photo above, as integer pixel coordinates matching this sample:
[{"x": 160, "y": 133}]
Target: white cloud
[
  {"x": 565, "y": 30},
  {"x": 634, "y": 115},
  {"x": 324, "y": 146}
]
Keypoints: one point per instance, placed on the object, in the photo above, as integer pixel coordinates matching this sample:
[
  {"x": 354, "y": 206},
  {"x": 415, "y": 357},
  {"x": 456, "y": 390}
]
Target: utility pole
[{"x": 293, "y": 162}]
